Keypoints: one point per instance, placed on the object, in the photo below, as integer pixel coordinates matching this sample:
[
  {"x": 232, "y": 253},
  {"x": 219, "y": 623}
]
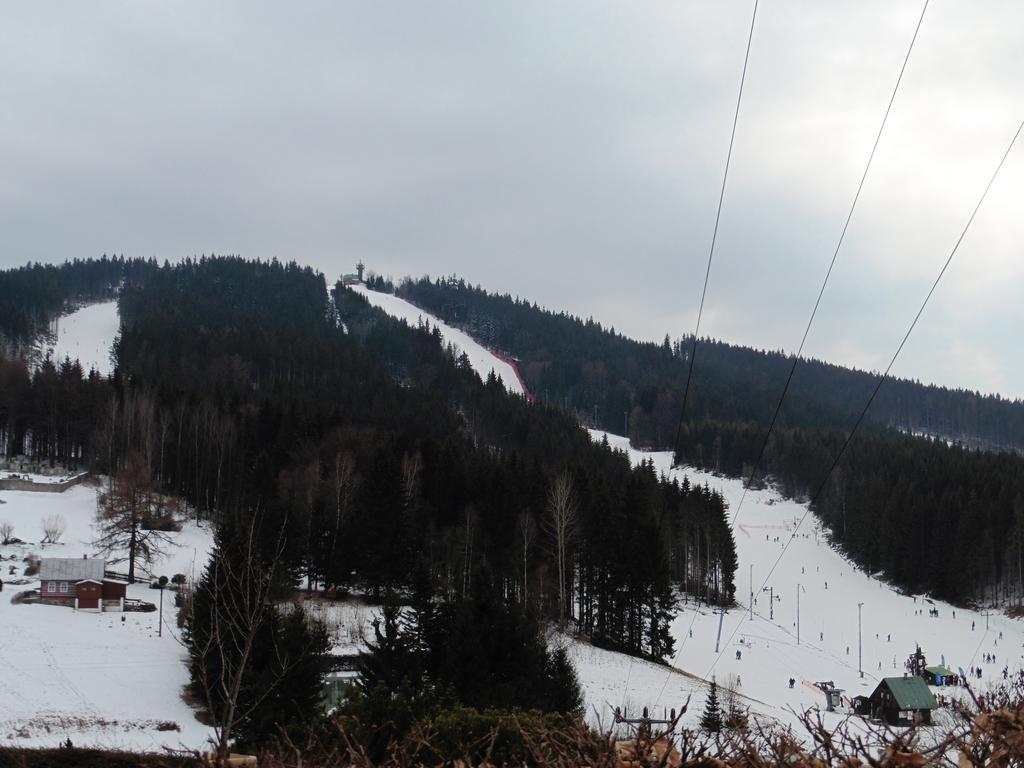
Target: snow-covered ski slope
[
  {"x": 769, "y": 651},
  {"x": 87, "y": 335},
  {"x": 481, "y": 358},
  {"x": 892, "y": 623},
  {"x": 91, "y": 677}
]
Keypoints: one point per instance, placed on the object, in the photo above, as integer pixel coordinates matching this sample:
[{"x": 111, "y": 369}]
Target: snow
[
  {"x": 87, "y": 335},
  {"x": 349, "y": 622},
  {"x": 39, "y": 479},
  {"x": 482, "y": 359},
  {"x": 90, "y": 677},
  {"x": 827, "y": 649},
  {"x": 611, "y": 679}
]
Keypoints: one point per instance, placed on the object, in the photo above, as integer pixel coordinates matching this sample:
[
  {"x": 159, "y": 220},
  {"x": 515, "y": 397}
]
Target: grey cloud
[{"x": 569, "y": 152}]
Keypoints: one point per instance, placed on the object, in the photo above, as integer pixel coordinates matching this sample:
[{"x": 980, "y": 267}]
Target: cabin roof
[
  {"x": 909, "y": 692},
  {"x": 71, "y": 569},
  {"x": 941, "y": 671}
]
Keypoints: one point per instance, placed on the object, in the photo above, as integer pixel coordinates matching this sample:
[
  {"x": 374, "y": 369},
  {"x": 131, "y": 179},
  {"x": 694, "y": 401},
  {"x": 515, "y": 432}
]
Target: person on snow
[{"x": 792, "y": 682}]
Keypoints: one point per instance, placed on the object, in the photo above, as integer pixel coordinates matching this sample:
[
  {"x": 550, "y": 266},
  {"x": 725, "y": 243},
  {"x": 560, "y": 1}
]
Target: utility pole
[
  {"x": 860, "y": 655},
  {"x": 751, "y": 591},
  {"x": 798, "y": 614}
]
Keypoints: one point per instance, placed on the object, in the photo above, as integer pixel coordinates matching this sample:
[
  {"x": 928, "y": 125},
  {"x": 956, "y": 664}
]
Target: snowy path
[
  {"x": 87, "y": 335},
  {"x": 481, "y": 358}
]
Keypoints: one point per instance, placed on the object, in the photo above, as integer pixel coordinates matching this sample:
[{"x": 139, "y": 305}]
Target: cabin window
[
  {"x": 51, "y": 586},
  {"x": 63, "y": 586}
]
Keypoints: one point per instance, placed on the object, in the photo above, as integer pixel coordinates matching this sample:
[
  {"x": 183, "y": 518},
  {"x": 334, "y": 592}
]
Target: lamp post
[
  {"x": 162, "y": 581},
  {"x": 860, "y": 655}
]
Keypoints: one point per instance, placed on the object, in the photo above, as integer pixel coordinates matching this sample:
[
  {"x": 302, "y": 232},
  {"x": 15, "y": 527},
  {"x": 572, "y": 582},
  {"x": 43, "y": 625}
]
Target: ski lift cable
[
  {"x": 711, "y": 255},
  {"x": 821, "y": 291},
  {"x": 714, "y": 234},
  {"x": 885, "y": 375},
  {"x": 831, "y": 266}
]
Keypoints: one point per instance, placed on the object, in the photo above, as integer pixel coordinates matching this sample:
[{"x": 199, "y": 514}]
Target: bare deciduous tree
[
  {"x": 6, "y": 532},
  {"x": 527, "y": 534},
  {"x": 240, "y": 588},
  {"x": 469, "y": 534},
  {"x": 342, "y": 480},
  {"x": 53, "y": 528},
  {"x": 560, "y": 524},
  {"x": 412, "y": 468},
  {"x": 134, "y": 518}
]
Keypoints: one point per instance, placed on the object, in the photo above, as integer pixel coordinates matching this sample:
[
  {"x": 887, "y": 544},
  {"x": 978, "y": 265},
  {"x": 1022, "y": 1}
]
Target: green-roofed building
[
  {"x": 940, "y": 675},
  {"x": 902, "y": 700}
]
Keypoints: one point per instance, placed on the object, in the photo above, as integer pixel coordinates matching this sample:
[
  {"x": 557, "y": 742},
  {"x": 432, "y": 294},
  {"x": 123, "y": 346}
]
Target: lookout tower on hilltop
[{"x": 359, "y": 270}]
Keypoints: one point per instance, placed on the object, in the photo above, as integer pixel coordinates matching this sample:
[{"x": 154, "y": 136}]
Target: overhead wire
[
  {"x": 883, "y": 377},
  {"x": 821, "y": 291},
  {"x": 711, "y": 254},
  {"x": 831, "y": 266},
  {"x": 714, "y": 234}
]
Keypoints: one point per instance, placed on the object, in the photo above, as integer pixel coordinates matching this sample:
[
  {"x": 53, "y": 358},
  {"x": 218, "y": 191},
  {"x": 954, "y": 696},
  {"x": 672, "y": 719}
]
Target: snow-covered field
[
  {"x": 87, "y": 335},
  {"x": 90, "y": 677},
  {"x": 481, "y": 358},
  {"x": 830, "y": 589}
]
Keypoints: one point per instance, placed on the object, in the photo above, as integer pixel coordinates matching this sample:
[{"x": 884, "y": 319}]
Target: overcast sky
[{"x": 569, "y": 152}]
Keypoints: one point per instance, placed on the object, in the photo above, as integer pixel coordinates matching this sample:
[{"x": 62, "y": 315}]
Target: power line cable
[
  {"x": 883, "y": 377},
  {"x": 714, "y": 234},
  {"x": 832, "y": 263},
  {"x": 821, "y": 291}
]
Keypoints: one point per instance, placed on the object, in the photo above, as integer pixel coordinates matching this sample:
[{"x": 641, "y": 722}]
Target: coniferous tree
[{"x": 711, "y": 720}]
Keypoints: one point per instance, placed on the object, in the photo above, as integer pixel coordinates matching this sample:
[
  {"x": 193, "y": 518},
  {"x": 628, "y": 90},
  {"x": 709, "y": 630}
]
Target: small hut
[
  {"x": 833, "y": 695},
  {"x": 940, "y": 675},
  {"x": 902, "y": 701}
]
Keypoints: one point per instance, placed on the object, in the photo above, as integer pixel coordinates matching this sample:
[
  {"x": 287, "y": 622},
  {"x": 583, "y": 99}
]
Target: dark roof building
[{"x": 902, "y": 700}]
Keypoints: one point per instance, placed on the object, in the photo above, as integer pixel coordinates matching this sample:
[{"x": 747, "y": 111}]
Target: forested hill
[
  {"x": 31, "y": 297},
  {"x": 931, "y": 516},
  {"x": 602, "y": 375},
  {"x": 248, "y": 387}
]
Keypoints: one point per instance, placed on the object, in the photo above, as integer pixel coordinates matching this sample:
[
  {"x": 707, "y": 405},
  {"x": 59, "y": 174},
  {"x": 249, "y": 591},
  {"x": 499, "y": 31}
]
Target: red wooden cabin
[{"x": 81, "y": 584}]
